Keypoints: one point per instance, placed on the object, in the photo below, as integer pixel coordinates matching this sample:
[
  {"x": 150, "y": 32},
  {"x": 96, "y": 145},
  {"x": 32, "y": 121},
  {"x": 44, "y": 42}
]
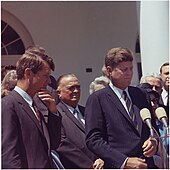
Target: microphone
[
  {"x": 146, "y": 117},
  {"x": 161, "y": 115}
]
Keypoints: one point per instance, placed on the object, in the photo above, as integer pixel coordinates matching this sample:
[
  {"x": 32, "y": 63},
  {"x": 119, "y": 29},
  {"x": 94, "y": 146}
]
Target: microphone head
[
  {"x": 160, "y": 113},
  {"x": 145, "y": 114}
]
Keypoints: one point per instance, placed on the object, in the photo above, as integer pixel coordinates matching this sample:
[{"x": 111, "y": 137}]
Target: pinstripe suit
[
  {"x": 110, "y": 133},
  {"x": 24, "y": 144},
  {"x": 73, "y": 151}
]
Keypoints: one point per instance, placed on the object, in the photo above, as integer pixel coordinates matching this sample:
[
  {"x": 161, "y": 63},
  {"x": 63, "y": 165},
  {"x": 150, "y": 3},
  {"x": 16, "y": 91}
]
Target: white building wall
[
  {"x": 78, "y": 34},
  {"x": 154, "y": 35}
]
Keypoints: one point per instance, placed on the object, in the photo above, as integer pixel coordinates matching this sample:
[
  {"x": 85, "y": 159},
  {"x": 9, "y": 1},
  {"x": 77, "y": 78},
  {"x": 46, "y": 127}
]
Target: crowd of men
[{"x": 45, "y": 127}]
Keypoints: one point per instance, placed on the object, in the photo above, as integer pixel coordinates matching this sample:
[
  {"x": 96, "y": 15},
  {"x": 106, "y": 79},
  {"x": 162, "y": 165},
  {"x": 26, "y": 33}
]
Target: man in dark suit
[
  {"x": 26, "y": 137},
  {"x": 73, "y": 151},
  {"x": 114, "y": 131}
]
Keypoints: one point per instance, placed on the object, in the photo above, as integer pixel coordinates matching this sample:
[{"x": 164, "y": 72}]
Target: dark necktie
[
  {"x": 77, "y": 114},
  {"x": 38, "y": 116},
  {"x": 130, "y": 108},
  {"x": 41, "y": 122}
]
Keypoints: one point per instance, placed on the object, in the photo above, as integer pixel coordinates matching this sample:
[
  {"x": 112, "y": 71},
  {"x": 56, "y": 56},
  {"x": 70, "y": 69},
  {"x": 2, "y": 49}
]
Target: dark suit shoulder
[
  {"x": 12, "y": 97},
  {"x": 137, "y": 95},
  {"x": 101, "y": 92}
]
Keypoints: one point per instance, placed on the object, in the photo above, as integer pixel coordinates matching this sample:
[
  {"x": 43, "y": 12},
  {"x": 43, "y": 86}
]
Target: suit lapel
[
  {"x": 115, "y": 100},
  {"x": 29, "y": 112},
  {"x": 71, "y": 116},
  {"x": 132, "y": 93},
  {"x": 46, "y": 134}
]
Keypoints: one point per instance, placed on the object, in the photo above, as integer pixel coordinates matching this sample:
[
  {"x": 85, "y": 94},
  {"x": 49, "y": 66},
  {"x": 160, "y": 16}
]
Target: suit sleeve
[
  {"x": 11, "y": 157},
  {"x": 71, "y": 155},
  {"x": 96, "y": 138},
  {"x": 54, "y": 128}
]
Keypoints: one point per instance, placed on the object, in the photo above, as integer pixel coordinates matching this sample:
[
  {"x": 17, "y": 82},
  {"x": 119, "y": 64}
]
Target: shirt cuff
[{"x": 123, "y": 165}]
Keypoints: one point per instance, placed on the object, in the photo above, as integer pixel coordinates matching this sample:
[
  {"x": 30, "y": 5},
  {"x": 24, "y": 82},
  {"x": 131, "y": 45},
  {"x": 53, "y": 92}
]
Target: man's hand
[
  {"x": 135, "y": 163},
  {"x": 98, "y": 164},
  {"x": 48, "y": 100},
  {"x": 149, "y": 147}
]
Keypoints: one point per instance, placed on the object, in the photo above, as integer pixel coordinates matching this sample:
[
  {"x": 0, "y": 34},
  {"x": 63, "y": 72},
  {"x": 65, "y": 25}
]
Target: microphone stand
[
  {"x": 166, "y": 131},
  {"x": 163, "y": 150}
]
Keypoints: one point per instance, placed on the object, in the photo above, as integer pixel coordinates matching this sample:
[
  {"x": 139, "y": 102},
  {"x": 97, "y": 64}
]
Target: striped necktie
[
  {"x": 130, "y": 108},
  {"x": 38, "y": 116},
  {"x": 78, "y": 116}
]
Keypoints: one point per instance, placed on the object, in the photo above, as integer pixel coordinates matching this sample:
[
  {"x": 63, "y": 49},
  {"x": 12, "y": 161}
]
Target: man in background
[
  {"x": 73, "y": 151},
  {"x": 164, "y": 72}
]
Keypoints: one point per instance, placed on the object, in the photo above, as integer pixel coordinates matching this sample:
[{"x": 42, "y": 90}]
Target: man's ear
[
  {"x": 109, "y": 70},
  {"x": 28, "y": 73}
]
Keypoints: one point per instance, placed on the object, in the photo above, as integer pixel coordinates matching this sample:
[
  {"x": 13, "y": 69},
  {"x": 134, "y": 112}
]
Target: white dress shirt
[
  {"x": 164, "y": 96},
  {"x": 71, "y": 109}
]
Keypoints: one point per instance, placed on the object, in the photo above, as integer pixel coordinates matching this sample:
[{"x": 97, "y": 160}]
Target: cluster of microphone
[
  {"x": 160, "y": 113},
  {"x": 162, "y": 116}
]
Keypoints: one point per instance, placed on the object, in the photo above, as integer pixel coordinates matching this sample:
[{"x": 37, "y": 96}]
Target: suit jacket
[
  {"x": 24, "y": 144},
  {"x": 53, "y": 122},
  {"x": 110, "y": 133},
  {"x": 73, "y": 151}
]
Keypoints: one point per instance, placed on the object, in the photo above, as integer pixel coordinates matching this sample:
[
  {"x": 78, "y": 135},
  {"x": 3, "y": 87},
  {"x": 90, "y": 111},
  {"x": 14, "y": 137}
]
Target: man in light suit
[
  {"x": 26, "y": 137},
  {"x": 111, "y": 133},
  {"x": 73, "y": 151}
]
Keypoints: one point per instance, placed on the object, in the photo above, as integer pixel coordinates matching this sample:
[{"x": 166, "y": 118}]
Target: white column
[{"x": 154, "y": 35}]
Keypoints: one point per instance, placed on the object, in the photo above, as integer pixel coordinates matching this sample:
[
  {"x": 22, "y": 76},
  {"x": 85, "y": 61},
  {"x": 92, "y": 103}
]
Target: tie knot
[
  {"x": 125, "y": 95},
  {"x": 75, "y": 111}
]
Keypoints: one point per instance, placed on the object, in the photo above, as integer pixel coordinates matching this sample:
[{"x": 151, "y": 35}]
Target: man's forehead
[{"x": 165, "y": 68}]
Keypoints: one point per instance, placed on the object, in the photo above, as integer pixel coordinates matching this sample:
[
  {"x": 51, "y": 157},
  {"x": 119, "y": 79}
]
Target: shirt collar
[
  {"x": 118, "y": 91},
  {"x": 70, "y": 108},
  {"x": 164, "y": 92},
  {"x": 25, "y": 95}
]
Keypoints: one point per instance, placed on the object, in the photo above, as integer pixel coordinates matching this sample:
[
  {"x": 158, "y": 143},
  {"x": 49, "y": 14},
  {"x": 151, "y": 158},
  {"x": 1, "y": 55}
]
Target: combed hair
[
  {"x": 34, "y": 61},
  {"x": 63, "y": 76},
  {"x": 165, "y": 64},
  {"x": 117, "y": 55}
]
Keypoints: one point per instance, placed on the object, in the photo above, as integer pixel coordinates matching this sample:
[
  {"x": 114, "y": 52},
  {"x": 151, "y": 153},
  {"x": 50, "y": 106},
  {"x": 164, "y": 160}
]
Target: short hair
[
  {"x": 165, "y": 64},
  {"x": 35, "y": 48},
  {"x": 34, "y": 61},
  {"x": 8, "y": 83},
  {"x": 102, "y": 80},
  {"x": 63, "y": 76},
  {"x": 117, "y": 55},
  {"x": 154, "y": 75}
]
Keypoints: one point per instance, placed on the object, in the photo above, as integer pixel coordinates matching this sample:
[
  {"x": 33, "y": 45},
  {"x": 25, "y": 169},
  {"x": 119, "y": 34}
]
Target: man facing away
[
  {"x": 25, "y": 136},
  {"x": 114, "y": 129},
  {"x": 73, "y": 151}
]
